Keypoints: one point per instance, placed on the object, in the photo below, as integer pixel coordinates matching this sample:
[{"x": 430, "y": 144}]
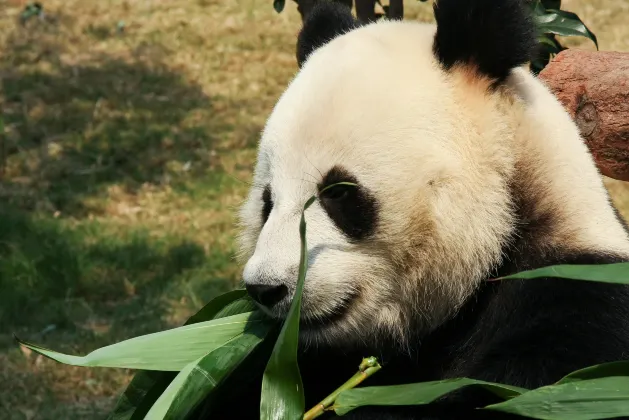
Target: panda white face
[{"x": 430, "y": 171}]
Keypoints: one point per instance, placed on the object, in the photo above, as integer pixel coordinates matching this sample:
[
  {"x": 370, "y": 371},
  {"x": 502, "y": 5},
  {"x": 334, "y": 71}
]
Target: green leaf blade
[
  {"x": 201, "y": 377},
  {"x": 608, "y": 273},
  {"x": 159, "y": 351},
  {"x": 600, "y": 398},
  {"x": 143, "y": 385},
  {"x": 549, "y": 44},
  {"x": 179, "y": 385},
  {"x": 147, "y": 385},
  {"x": 603, "y": 370},
  {"x": 282, "y": 387},
  {"x": 414, "y": 394},
  {"x": 561, "y": 22},
  {"x": 213, "y": 309}
]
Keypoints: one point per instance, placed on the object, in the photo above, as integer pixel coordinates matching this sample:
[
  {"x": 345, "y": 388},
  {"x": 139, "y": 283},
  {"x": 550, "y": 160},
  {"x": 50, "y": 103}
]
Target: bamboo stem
[{"x": 367, "y": 367}]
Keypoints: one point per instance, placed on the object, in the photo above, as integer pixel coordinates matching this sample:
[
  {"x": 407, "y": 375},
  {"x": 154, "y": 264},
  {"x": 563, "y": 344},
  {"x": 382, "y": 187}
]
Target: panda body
[{"x": 468, "y": 169}]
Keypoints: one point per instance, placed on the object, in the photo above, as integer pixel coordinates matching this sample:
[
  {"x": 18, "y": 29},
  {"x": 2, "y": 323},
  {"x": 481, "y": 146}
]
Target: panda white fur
[{"x": 467, "y": 169}]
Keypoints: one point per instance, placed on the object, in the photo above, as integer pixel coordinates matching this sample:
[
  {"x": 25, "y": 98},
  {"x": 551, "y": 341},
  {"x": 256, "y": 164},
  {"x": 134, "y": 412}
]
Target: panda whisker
[
  {"x": 317, "y": 169},
  {"x": 315, "y": 181},
  {"x": 303, "y": 180}
]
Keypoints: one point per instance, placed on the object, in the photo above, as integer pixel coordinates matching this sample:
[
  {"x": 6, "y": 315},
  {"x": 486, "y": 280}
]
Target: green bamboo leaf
[
  {"x": 549, "y": 44},
  {"x": 239, "y": 306},
  {"x": 606, "y": 273},
  {"x": 247, "y": 374},
  {"x": 213, "y": 308},
  {"x": 547, "y": 48},
  {"x": 139, "y": 390},
  {"x": 147, "y": 385},
  {"x": 600, "y": 398},
  {"x": 282, "y": 388},
  {"x": 201, "y": 377},
  {"x": 414, "y": 394},
  {"x": 178, "y": 385},
  {"x": 538, "y": 8},
  {"x": 563, "y": 23},
  {"x": 368, "y": 367},
  {"x": 169, "y": 350},
  {"x": 603, "y": 370}
]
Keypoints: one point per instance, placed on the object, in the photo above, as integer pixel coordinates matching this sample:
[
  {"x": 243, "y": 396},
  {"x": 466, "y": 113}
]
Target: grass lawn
[{"x": 130, "y": 130}]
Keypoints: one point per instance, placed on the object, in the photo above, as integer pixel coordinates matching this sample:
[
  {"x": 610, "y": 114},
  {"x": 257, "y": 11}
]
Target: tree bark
[{"x": 594, "y": 89}]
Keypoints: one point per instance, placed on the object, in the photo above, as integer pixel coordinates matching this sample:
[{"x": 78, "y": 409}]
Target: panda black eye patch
[
  {"x": 267, "y": 204},
  {"x": 352, "y": 208}
]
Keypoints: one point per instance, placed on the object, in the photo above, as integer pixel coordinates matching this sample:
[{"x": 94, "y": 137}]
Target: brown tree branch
[{"x": 594, "y": 88}]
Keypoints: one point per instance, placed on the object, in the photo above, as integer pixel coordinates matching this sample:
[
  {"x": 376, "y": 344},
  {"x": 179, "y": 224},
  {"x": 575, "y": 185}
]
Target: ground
[{"x": 129, "y": 136}]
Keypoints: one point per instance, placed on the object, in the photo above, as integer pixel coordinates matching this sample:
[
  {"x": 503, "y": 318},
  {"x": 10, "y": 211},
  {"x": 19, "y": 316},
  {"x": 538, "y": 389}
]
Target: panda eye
[
  {"x": 352, "y": 208},
  {"x": 336, "y": 193},
  {"x": 267, "y": 204}
]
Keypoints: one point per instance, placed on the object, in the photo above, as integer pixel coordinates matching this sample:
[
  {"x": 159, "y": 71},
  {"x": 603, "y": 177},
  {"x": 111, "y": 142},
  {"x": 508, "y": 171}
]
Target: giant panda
[{"x": 467, "y": 169}]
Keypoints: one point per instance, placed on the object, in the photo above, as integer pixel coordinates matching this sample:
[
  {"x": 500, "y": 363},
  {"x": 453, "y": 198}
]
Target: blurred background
[{"x": 128, "y": 132}]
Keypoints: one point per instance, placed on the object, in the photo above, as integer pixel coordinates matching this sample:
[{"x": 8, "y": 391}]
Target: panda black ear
[
  {"x": 327, "y": 20},
  {"x": 493, "y": 35}
]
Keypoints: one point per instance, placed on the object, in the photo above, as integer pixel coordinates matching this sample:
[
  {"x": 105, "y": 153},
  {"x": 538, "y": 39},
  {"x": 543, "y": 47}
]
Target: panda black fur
[{"x": 472, "y": 172}]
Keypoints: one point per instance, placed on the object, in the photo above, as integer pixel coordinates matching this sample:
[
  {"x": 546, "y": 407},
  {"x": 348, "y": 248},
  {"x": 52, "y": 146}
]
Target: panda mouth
[{"x": 319, "y": 321}]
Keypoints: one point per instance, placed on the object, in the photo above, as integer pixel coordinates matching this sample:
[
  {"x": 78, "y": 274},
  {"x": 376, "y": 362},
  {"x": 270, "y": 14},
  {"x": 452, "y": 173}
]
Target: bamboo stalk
[{"x": 367, "y": 367}]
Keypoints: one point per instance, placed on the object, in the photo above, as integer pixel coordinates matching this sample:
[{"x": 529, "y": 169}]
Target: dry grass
[{"x": 126, "y": 153}]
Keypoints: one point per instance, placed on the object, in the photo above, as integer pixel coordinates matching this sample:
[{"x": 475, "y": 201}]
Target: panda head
[{"x": 414, "y": 115}]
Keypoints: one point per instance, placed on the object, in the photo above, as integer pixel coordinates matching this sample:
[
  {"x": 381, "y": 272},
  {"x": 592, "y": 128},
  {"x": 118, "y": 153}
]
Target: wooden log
[{"x": 594, "y": 88}]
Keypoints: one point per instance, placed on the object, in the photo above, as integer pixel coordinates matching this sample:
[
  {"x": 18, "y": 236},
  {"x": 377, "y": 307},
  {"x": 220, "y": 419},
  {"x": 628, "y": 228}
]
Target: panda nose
[{"x": 266, "y": 295}]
